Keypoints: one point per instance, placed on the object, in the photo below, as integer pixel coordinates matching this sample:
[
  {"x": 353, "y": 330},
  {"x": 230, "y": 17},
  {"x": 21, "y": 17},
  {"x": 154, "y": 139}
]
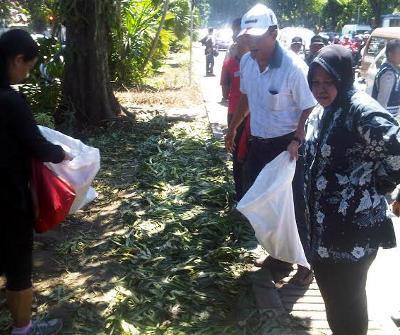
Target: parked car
[
  {"x": 355, "y": 29},
  {"x": 223, "y": 38},
  {"x": 328, "y": 35},
  {"x": 373, "y": 51},
  {"x": 391, "y": 20},
  {"x": 286, "y": 34}
]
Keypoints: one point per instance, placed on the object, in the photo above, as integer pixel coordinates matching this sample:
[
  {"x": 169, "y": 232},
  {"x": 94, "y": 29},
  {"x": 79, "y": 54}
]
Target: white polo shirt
[{"x": 278, "y": 96}]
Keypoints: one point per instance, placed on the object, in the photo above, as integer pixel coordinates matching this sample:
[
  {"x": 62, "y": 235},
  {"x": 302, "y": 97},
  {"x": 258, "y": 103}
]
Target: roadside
[
  {"x": 382, "y": 287},
  {"x": 159, "y": 251}
]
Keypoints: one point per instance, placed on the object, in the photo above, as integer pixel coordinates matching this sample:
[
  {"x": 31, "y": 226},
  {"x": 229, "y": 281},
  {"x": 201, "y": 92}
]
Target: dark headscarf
[{"x": 338, "y": 62}]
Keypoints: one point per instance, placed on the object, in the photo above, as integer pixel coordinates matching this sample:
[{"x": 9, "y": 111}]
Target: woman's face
[
  {"x": 323, "y": 87},
  {"x": 19, "y": 69}
]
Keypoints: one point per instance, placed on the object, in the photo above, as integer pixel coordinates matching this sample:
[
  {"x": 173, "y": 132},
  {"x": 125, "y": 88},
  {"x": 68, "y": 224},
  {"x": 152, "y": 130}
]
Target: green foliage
[
  {"x": 44, "y": 95},
  {"x": 182, "y": 255},
  {"x": 180, "y": 24},
  {"x": 133, "y": 34},
  {"x": 330, "y": 14},
  {"x": 132, "y": 37}
]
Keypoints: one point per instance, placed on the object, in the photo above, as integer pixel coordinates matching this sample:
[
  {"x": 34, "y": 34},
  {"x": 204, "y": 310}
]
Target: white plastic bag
[
  {"x": 269, "y": 207},
  {"x": 79, "y": 172}
]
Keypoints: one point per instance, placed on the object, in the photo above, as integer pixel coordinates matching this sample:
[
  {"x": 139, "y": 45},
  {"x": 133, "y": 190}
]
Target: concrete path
[
  {"x": 383, "y": 287},
  {"x": 211, "y": 90}
]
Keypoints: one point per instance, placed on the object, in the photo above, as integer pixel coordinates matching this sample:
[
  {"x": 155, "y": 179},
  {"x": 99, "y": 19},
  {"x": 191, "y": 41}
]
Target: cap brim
[{"x": 253, "y": 31}]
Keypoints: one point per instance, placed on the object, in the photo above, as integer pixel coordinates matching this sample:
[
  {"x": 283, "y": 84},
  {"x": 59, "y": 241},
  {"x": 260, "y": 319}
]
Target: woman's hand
[{"x": 396, "y": 208}]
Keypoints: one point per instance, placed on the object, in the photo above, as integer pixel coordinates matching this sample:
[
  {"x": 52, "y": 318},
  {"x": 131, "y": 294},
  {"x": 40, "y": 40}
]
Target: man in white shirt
[{"x": 276, "y": 94}]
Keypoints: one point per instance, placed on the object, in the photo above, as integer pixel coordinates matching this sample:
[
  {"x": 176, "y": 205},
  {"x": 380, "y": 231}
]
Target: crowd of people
[
  {"x": 346, "y": 144},
  {"x": 347, "y": 147},
  {"x": 355, "y": 45}
]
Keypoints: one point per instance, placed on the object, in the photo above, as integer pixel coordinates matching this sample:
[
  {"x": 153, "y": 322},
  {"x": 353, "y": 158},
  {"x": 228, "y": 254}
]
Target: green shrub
[{"x": 44, "y": 95}]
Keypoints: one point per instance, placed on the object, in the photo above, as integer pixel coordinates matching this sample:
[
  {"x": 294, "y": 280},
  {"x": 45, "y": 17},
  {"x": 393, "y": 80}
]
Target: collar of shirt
[{"x": 276, "y": 60}]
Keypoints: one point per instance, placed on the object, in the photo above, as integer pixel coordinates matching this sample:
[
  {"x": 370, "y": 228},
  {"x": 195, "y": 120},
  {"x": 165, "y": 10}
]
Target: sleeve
[
  {"x": 302, "y": 95},
  {"x": 225, "y": 78},
  {"x": 381, "y": 135},
  {"x": 243, "y": 63},
  {"x": 29, "y": 135},
  {"x": 386, "y": 84}
]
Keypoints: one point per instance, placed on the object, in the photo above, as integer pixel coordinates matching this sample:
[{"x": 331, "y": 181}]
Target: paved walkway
[{"x": 383, "y": 286}]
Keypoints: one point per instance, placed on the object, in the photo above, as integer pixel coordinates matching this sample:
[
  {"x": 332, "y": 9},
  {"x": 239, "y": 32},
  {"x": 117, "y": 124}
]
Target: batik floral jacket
[{"x": 349, "y": 151}]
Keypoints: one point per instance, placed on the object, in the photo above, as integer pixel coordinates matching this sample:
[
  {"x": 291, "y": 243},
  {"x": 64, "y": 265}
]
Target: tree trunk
[
  {"x": 88, "y": 97},
  {"x": 376, "y": 9},
  {"x": 157, "y": 37}
]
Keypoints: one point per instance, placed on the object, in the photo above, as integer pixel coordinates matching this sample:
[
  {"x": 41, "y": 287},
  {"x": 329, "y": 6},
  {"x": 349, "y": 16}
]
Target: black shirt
[{"x": 20, "y": 142}]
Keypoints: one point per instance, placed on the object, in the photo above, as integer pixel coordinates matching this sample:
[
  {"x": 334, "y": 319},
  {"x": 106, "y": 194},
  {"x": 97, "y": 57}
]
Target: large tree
[{"x": 88, "y": 97}]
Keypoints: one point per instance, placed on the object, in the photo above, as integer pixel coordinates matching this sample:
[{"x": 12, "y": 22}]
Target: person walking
[
  {"x": 20, "y": 142},
  {"x": 386, "y": 89},
  {"x": 352, "y": 159},
  {"x": 210, "y": 51},
  {"x": 274, "y": 91}
]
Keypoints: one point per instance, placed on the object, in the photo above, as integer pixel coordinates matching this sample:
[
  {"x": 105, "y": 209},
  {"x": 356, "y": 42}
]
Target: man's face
[
  {"x": 296, "y": 47},
  {"x": 315, "y": 48},
  {"x": 261, "y": 46},
  {"x": 394, "y": 57}
]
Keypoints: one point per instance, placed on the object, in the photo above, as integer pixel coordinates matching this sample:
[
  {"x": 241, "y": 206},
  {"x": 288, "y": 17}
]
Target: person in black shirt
[
  {"x": 20, "y": 142},
  {"x": 210, "y": 51}
]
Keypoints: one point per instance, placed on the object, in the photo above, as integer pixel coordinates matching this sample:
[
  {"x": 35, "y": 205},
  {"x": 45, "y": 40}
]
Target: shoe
[
  {"x": 303, "y": 278},
  {"x": 46, "y": 327},
  {"x": 273, "y": 264}
]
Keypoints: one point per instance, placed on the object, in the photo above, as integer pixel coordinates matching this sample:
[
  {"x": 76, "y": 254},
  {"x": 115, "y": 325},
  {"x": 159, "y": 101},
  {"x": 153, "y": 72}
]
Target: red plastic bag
[{"x": 52, "y": 197}]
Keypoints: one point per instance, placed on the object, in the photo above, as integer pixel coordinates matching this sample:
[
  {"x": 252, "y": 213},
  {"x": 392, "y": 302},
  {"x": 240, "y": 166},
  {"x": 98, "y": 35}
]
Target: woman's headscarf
[{"x": 338, "y": 62}]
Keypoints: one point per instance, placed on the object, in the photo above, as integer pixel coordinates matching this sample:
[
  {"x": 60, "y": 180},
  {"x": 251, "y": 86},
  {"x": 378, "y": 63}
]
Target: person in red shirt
[
  {"x": 346, "y": 42},
  {"x": 230, "y": 82}
]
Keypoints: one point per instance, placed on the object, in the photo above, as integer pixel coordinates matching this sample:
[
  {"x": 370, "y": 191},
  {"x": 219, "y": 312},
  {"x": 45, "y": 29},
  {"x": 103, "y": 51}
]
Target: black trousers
[
  {"x": 209, "y": 63},
  {"x": 342, "y": 287},
  {"x": 16, "y": 233},
  {"x": 262, "y": 152}
]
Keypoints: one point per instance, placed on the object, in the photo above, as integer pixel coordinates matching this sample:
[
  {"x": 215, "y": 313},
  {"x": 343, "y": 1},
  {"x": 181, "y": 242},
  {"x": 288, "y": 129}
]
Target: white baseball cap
[{"x": 257, "y": 21}]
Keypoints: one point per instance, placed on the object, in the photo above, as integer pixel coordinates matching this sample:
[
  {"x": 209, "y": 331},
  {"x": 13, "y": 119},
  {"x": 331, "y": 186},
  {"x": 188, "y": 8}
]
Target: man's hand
[
  {"x": 396, "y": 208},
  {"x": 293, "y": 149},
  {"x": 68, "y": 156},
  {"x": 230, "y": 140}
]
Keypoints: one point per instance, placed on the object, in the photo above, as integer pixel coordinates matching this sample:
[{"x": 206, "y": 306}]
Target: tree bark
[
  {"x": 88, "y": 98},
  {"x": 376, "y": 9}
]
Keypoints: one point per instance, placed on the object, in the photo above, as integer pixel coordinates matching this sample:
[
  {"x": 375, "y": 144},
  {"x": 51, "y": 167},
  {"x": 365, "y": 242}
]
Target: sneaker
[{"x": 46, "y": 327}]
